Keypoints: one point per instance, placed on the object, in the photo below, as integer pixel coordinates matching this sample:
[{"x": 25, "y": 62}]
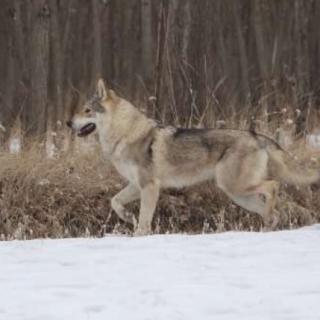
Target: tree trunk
[
  {"x": 56, "y": 113},
  {"x": 242, "y": 49},
  {"x": 147, "y": 59},
  {"x": 161, "y": 43},
  {"x": 97, "y": 59},
  {"x": 186, "y": 30},
  {"x": 39, "y": 65}
]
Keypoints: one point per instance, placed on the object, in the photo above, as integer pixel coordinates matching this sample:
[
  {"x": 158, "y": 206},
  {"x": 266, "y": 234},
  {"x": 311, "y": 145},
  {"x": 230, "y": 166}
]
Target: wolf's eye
[{"x": 87, "y": 110}]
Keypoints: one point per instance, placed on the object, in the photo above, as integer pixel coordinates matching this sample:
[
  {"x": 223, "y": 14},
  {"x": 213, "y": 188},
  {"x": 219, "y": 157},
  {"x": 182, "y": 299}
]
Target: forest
[{"x": 185, "y": 62}]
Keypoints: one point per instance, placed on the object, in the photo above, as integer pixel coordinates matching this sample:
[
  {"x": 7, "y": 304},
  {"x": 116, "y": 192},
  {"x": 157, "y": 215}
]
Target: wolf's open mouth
[{"x": 86, "y": 130}]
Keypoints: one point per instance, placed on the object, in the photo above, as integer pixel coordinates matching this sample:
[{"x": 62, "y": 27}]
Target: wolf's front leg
[
  {"x": 126, "y": 195},
  {"x": 149, "y": 199}
]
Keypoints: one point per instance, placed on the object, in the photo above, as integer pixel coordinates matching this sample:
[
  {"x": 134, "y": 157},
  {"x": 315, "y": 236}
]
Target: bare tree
[
  {"x": 97, "y": 58},
  {"x": 147, "y": 56},
  {"x": 196, "y": 58},
  {"x": 37, "y": 114}
]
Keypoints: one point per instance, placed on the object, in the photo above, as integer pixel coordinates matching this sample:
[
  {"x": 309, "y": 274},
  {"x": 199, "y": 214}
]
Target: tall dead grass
[{"x": 68, "y": 195}]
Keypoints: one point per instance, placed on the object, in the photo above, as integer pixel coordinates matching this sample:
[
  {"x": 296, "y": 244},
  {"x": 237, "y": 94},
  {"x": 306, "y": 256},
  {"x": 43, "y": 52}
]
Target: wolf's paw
[
  {"x": 128, "y": 217},
  {"x": 271, "y": 222},
  {"x": 275, "y": 221},
  {"x": 139, "y": 232}
]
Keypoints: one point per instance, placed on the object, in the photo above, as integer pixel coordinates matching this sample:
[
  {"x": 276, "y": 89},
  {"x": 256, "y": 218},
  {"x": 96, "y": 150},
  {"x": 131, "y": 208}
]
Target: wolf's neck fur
[{"x": 127, "y": 126}]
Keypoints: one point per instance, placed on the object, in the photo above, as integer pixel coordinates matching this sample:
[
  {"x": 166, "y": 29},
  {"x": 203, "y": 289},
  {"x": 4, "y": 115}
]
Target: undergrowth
[{"x": 69, "y": 196}]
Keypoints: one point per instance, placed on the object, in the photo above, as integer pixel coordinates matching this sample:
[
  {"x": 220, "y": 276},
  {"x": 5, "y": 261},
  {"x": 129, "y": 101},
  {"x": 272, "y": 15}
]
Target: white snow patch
[
  {"x": 51, "y": 149},
  {"x": 227, "y": 276},
  {"x": 313, "y": 140},
  {"x": 2, "y": 128},
  {"x": 15, "y": 145}
]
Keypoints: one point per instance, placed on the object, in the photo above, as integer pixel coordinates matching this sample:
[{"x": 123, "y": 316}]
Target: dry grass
[{"x": 70, "y": 196}]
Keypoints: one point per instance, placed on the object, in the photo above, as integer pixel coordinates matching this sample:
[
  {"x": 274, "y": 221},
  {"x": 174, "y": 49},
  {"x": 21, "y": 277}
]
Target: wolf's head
[{"x": 97, "y": 108}]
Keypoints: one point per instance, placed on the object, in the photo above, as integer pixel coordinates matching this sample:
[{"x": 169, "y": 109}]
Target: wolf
[{"x": 246, "y": 165}]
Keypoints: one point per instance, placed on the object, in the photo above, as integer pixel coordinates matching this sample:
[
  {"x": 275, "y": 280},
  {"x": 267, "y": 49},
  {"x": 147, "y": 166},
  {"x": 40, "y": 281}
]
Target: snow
[
  {"x": 15, "y": 145},
  {"x": 313, "y": 140},
  {"x": 2, "y": 128},
  {"x": 233, "y": 275},
  {"x": 51, "y": 149}
]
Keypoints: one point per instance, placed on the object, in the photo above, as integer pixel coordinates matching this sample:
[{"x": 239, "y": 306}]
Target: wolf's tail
[{"x": 283, "y": 167}]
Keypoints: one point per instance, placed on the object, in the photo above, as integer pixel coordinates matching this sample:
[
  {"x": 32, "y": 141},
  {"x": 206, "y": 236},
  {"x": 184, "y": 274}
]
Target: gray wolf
[{"x": 246, "y": 165}]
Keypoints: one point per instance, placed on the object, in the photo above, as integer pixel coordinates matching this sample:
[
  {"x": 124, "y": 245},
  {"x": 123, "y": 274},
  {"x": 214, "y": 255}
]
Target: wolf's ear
[
  {"x": 112, "y": 95},
  {"x": 101, "y": 89}
]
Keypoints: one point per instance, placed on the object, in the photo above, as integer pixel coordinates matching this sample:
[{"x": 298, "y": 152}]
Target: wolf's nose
[{"x": 69, "y": 123}]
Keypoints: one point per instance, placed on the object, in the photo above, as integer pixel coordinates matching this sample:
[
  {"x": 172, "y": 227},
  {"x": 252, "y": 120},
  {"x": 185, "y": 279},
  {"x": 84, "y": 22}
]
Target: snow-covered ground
[{"x": 234, "y": 275}]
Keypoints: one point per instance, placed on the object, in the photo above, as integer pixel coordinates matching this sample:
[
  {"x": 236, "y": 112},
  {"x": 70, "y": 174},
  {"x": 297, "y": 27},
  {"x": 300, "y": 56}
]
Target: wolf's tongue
[{"x": 86, "y": 130}]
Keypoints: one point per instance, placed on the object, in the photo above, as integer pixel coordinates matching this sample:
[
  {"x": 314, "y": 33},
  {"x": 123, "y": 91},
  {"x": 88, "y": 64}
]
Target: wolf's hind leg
[
  {"x": 252, "y": 202},
  {"x": 270, "y": 190},
  {"x": 128, "y": 194}
]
